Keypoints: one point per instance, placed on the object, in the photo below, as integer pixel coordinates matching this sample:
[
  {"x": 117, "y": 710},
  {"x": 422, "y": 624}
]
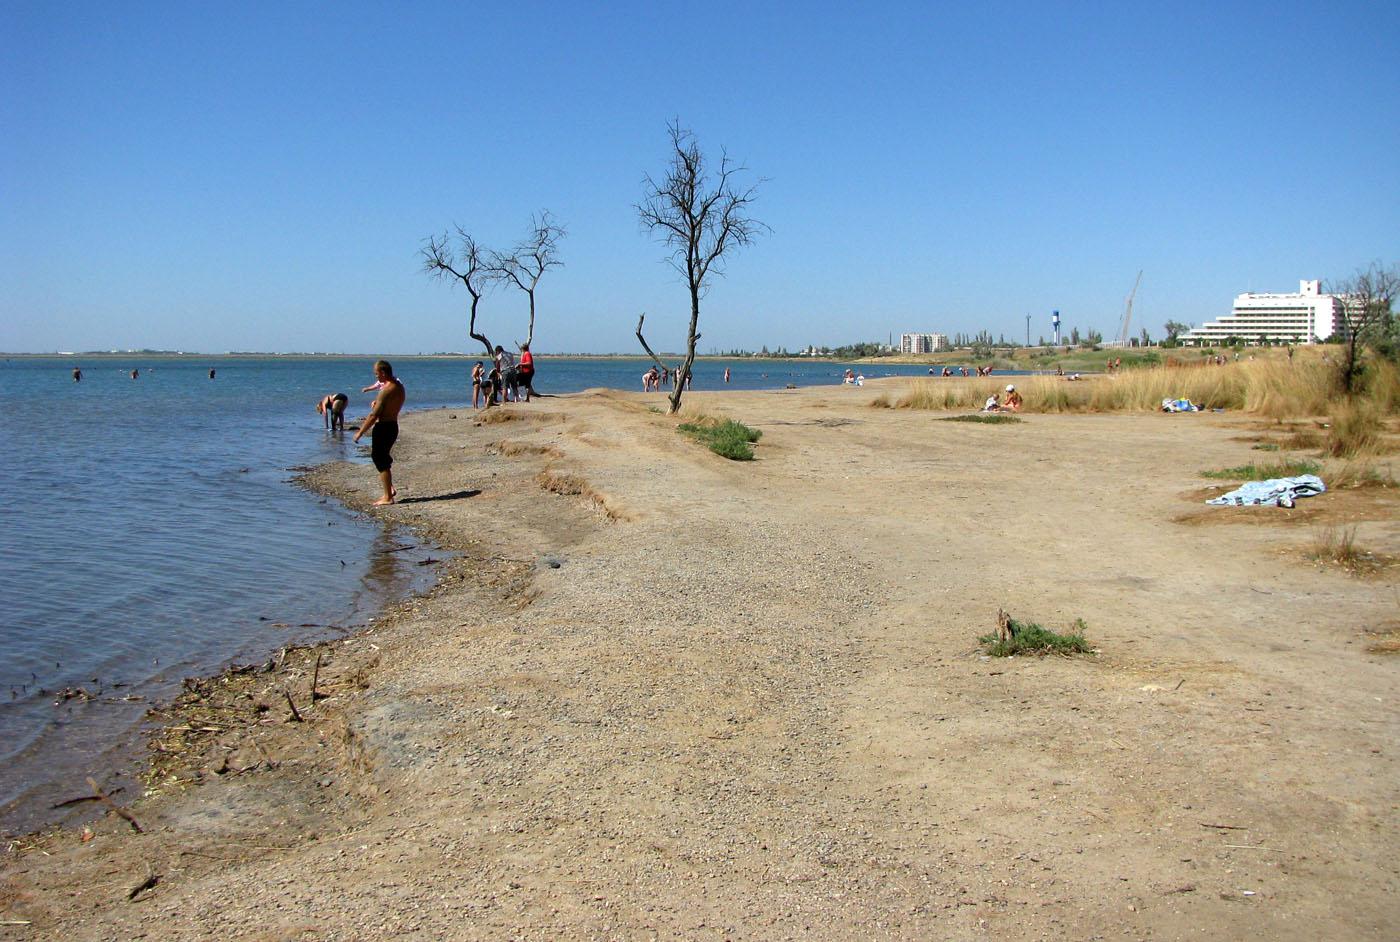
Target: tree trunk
[
  {"x": 480, "y": 338},
  {"x": 684, "y": 372}
]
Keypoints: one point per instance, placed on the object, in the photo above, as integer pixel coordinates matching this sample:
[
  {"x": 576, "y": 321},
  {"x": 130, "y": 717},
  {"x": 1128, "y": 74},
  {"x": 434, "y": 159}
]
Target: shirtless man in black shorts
[{"x": 383, "y": 418}]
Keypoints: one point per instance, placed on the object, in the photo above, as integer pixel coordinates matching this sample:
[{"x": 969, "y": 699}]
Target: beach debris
[
  {"x": 1180, "y": 405},
  {"x": 80, "y": 799},
  {"x": 1275, "y": 492},
  {"x": 149, "y": 883},
  {"x": 73, "y": 693},
  {"x": 1006, "y": 628},
  {"x": 102, "y": 796},
  {"x": 315, "y": 680},
  {"x": 296, "y": 716}
]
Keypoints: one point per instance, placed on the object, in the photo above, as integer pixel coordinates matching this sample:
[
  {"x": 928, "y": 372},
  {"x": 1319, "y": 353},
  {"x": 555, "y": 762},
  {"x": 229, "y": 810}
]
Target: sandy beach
[{"x": 659, "y": 694}]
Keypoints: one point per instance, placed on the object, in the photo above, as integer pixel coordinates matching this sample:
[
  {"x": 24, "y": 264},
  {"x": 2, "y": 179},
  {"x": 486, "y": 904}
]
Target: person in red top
[{"x": 526, "y": 371}]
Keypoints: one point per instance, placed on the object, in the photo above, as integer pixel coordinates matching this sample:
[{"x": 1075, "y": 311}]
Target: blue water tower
[{"x": 1055, "y": 322}]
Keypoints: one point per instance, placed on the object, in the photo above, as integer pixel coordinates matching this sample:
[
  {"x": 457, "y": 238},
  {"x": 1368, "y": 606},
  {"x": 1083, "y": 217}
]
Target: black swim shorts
[{"x": 381, "y": 439}]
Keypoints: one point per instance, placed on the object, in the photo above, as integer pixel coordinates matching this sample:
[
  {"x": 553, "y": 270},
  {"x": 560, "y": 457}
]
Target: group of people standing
[
  {"x": 654, "y": 378},
  {"x": 507, "y": 380}
]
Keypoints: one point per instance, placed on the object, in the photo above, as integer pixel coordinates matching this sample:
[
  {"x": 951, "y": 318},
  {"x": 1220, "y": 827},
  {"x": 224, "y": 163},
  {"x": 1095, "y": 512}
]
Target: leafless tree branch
[
  {"x": 703, "y": 218},
  {"x": 466, "y": 264},
  {"x": 524, "y": 265},
  {"x": 1367, "y": 315}
]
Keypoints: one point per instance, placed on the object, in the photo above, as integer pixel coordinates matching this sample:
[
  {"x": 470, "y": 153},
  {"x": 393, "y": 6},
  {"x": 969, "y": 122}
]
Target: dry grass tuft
[
  {"x": 1357, "y": 429},
  {"x": 1302, "y": 440},
  {"x": 511, "y": 449},
  {"x": 571, "y": 485},
  {"x": 1354, "y": 474},
  {"x": 881, "y": 401},
  {"x": 1338, "y": 545},
  {"x": 496, "y": 415},
  {"x": 1385, "y": 639}
]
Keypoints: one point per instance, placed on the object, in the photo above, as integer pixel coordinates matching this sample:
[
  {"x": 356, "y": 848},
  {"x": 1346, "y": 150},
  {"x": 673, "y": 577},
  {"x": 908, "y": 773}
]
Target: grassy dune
[{"x": 1276, "y": 389}]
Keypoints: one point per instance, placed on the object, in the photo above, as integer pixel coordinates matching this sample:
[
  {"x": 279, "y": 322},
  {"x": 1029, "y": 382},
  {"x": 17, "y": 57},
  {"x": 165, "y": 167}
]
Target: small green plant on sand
[
  {"x": 1020, "y": 637},
  {"x": 1264, "y": 472},
  {"x": 726, "y": 438},
  {"x": 1265, "y": 446},
  {"x": 985, "y": 418}
]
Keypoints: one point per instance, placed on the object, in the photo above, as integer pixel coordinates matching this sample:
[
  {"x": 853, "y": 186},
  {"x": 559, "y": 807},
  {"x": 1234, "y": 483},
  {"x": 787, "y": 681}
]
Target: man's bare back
[{"x": 389, "y": 401}]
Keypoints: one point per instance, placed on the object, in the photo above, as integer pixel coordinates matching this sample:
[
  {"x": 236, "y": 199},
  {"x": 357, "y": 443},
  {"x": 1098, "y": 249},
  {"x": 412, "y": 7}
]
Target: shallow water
[{"x": 151, "y": 533}]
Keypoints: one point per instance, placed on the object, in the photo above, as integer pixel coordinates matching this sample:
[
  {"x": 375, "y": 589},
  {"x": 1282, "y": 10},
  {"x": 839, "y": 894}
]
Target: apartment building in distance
[
  {"x": 1305, "y": 317},
  {"x": 923, "y": 343}
]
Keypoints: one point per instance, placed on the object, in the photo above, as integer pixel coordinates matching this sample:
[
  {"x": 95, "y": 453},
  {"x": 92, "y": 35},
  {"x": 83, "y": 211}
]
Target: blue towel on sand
[{"x": 1276, "y": 492}]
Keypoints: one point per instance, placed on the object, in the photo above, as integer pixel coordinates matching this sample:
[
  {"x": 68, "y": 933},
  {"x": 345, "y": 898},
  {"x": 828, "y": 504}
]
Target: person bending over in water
[
  {"x": 383, "y": 419},
  {"x": 332, "y": 408}
]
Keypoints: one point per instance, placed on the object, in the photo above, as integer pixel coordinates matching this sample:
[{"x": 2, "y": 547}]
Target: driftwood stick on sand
[
  {"x": 315, "y": 679},
  {"x": 296, "y": 716},
  {"x": 82, "y": 798},
  {"x": 146, "y": 884},
  {"x": 101, "y": 796}
]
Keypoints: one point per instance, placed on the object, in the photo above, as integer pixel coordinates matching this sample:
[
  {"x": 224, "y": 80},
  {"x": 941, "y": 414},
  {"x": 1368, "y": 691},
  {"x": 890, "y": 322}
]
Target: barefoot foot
[{"x": 383, "y": 502}]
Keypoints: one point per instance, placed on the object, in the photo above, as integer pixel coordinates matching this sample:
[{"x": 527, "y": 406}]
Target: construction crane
[{"x": 1128, "y": 314}]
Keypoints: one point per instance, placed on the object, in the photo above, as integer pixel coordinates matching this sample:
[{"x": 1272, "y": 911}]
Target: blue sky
[{"x": 260, "y": 176}]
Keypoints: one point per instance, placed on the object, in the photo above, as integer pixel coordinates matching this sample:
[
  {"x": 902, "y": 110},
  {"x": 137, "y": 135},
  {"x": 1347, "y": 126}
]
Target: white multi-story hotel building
[
  {"x": 923, "y": 343},
  {"x": 1305, "y": 317}
]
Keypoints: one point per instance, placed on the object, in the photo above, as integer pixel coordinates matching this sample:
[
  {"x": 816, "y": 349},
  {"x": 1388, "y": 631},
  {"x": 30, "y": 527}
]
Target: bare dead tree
[
  {"x": 526, "y": 264},
  {"x": 703, "y": 218},
  {"x": 1367, "y": 319},
  {"x": 468, "y": 264},
  {"x": 647, "y": 347}
]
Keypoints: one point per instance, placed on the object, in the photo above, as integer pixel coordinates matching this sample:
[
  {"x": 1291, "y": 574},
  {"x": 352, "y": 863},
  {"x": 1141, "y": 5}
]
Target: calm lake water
[{"x": 151, "y": 534}]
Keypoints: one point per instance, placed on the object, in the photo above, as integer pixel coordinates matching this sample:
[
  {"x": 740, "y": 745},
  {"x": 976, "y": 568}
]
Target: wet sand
[{"x": 664, "y": 695}]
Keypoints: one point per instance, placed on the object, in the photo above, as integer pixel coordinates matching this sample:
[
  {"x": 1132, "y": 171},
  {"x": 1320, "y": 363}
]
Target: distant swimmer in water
[
  {"x": 135, "y": 374},
  {"x": 211, "y": 373},
  {"x": 332, "y": 408},
  {"x": 77, "y": 375}
]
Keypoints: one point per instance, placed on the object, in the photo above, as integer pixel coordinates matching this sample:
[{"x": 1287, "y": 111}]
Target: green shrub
[
  {"x": 1031, "y": 638},
  {"x": 1264, "y": 472},
  {"x": 726, "y": 438},
  {"x": 986, "y": 418}
]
